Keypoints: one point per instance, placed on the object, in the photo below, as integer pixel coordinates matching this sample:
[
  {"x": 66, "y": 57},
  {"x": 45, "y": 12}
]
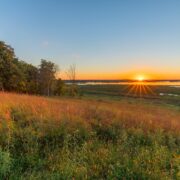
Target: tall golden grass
[
  {"x": 137, "y": 114},
  {"x": 63, "y": 138}
]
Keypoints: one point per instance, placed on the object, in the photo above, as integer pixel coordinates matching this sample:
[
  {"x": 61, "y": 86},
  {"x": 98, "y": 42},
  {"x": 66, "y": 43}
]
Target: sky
[{"x": 106, "y": 39}]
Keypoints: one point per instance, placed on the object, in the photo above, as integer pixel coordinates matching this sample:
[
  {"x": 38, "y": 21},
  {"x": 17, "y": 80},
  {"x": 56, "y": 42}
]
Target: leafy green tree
[
  {"x": 29, "y": 77},
  {"x": 32, "y": 79},
  {"x": 19, "y": 76},
  {"x": 9, "y": 72},
  {"x": 47, "y": 72},
  {"x": 59, "y": 87}
]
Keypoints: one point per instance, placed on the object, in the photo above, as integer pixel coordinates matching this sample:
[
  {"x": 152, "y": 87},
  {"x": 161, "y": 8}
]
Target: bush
[{"x": 5, "y": 164}]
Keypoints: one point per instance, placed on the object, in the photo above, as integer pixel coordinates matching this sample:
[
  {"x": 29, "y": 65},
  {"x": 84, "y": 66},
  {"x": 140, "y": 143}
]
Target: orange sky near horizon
[{"x": 132, "y": 75}]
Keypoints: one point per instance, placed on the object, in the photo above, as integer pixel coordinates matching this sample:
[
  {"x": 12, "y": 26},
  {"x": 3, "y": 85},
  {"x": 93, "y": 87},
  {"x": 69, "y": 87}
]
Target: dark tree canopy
[
  {"x": 19, "y": 76},
  {"x": 9, "y": 72},
  {"x": 47, "y": 73}
]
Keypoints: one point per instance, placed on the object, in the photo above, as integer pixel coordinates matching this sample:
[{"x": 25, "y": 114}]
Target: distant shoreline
[
  {"x": 116, "y": 81},
  {"x": 172, "y": 83}
]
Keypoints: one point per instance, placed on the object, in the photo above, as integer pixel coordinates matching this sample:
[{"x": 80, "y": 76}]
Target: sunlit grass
[
  {"x": 44, "y": 108},
  {"x": 48, "y": 138}
]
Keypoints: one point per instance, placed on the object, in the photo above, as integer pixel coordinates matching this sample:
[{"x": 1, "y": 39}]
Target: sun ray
[
  {"x": 139, "y": 89},
  {"x": 131, "y": 89},
  {"x": 152, "y": 92},
  {"x": 145, "y": 92},
  {"x": 136, "y": 91}
]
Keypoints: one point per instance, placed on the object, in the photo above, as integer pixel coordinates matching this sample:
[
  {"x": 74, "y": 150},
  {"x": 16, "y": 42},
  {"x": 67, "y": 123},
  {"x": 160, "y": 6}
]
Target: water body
[
  {"x": 168, "y": 94},
  {"x": 175, "y": 84}
]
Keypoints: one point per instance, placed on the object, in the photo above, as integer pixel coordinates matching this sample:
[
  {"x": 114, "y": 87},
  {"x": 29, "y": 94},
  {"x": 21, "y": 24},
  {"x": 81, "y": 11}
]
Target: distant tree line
[{"x": 18, "y": 76}]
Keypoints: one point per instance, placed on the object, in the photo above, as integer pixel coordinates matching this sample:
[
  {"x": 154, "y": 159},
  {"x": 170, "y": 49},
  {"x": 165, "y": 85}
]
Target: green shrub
[{"x": 5, "y": 164}]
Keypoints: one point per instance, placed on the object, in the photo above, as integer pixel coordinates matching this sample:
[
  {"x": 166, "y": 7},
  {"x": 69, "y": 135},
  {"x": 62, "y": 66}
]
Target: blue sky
[{"x": 105, "y": 38}]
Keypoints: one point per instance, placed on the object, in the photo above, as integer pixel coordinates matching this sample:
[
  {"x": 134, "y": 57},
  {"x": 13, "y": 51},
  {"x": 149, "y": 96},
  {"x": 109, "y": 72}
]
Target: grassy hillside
[{"x": 44, "y": 138}]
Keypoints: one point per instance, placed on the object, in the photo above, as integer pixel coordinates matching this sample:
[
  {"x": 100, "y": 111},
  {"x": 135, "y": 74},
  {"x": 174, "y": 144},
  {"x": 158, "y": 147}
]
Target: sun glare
[
  {"x": 140, "y": 78},
  {"x": 139, "y": 87}
]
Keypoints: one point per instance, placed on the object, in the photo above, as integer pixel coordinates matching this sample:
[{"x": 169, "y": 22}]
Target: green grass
[
  {"x": 44, "y": 138},
  {"x": 119, "y": 92}
]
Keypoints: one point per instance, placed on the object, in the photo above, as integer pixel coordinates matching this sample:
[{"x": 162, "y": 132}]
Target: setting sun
[{"x": 140, "y": 78}]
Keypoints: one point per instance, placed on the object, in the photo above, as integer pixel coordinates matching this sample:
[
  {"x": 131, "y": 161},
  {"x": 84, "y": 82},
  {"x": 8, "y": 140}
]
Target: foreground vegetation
[{"x": 45, "y": 138}]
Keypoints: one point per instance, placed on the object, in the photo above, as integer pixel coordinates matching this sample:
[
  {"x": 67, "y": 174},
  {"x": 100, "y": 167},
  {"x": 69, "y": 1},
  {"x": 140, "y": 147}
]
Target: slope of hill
[{"x": 87, "y": 139}]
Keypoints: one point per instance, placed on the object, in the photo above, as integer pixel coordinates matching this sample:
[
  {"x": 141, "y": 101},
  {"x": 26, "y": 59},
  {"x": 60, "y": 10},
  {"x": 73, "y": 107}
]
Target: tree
[
  {"x": 59, "y": 87},
  {"x": 29, "y": 77},
  {"x": 71, "y": 74},
  {"x": 47, "y": 72},
  {"x": 19, "y": 76},
  {"x": 32, "y": 79},
  {"x": 9, "y": 72},
  {"x": 1, "y": 84}
]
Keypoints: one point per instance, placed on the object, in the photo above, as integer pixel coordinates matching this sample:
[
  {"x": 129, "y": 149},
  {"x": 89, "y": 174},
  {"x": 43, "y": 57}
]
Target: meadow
[
  {"x": 162, "y": 94},
  {"x": 87, "y": 138}
]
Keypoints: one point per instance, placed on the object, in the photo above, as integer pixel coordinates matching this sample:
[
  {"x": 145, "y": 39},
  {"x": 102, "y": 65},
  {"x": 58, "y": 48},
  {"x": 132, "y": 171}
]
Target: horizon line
[{"x": 132, "y": 80}]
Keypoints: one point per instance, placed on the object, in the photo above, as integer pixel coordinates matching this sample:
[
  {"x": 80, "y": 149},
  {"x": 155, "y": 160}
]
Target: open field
[
  {"x": 45, "y": 138},
  {"x": 165, "y": 95}
]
